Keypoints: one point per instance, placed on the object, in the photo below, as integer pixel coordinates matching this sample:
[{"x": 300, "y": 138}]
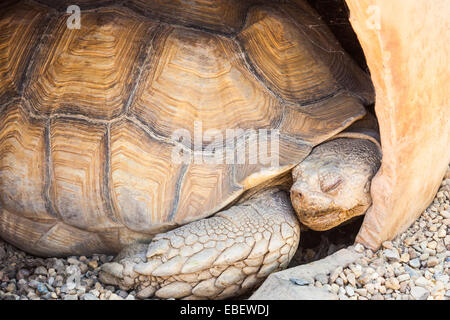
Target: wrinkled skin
[
  {"x": 234, "y": 251},
  {"x": 332, "y": 184}
]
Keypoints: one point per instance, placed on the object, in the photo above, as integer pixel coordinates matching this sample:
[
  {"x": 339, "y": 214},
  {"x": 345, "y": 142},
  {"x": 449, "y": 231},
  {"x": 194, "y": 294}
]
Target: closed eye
[{"x": 327, "y": 187}]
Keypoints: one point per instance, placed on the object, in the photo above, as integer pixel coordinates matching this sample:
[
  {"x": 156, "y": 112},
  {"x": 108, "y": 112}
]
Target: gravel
[
  {"x": 24, "y": 277},
  {"x": 415, "y": 265}
]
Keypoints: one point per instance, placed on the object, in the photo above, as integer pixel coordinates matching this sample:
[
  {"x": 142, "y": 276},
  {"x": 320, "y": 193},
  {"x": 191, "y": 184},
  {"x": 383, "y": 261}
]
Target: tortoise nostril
[{"x": 298, "y": 195}]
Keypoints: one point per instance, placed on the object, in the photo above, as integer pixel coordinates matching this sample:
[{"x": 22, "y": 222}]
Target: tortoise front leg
[{"x": 214, "y": 258}]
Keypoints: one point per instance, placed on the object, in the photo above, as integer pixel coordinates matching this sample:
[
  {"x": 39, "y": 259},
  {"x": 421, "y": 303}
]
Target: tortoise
[{"x": 90, "y": 123}]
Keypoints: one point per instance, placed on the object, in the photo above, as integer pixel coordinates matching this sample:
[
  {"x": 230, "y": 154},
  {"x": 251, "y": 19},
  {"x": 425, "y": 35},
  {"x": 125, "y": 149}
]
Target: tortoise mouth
[{"x": 327, "y": 219}]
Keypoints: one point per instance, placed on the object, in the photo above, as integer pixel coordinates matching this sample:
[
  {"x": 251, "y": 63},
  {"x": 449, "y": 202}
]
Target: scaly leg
[{"x": 215, "y": 258}]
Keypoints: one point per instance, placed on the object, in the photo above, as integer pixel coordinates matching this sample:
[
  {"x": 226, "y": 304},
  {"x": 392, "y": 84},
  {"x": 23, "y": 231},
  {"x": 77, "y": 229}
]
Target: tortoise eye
[{"x": 328, "y": 183}]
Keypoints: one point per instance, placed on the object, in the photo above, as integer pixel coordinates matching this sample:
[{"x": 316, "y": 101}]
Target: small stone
[
  {"x": 22, "y": 274},
  {"x": 365, "y": 278},
  {"x": 403, "y": 277},
  {"x": 442, "y": 233},
  {"x": 432, "y": 262},
  {"x": 392, "y": 284},
  {"x": 409, "y": 241},
  {"x": 343, "y": 277},
  {"x": 114, "y": 296},
  {"x": 445, "y": 214},
  {"x": 387, "y": 245},
  {"x": 350, "y": 291},
  {"x": 351, "y": 279},
  {"x": 419, "y": 293},
  {"x": 146, "y": 293},
  {"x": 404, "y": 257},
  {"x": 40, "y": 271},
  {"x": 415, "y": 263},
  {"x": 391, "y": 254},
  {"x": 422, "y": 282},
  {"x": 339, "y": 281},
  {"x": 359, "y": 248},
  {"x": 88, "y": 296},
  {"x": 334, "y": 288},
  {"x": 42, "y": 289},
  {"x": 370, "y": 288},
  {"x": 361, "y": 292},
  {"x": 70, "y": 297},
  {"x": 122, "y": 293},
  {"x": 93, "y": 264},
  {"x": 424, "y": 256},
  {"x": 73, "y": 260},
  {"x": 334, "y": 275},
  {"x": 11, "y": 287},
  {"x": 432, "y": 245}
]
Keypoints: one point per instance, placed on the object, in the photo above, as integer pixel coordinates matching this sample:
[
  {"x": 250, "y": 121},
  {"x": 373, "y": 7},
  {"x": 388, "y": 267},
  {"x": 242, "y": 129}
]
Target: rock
[
  {"x": 351, "y": 279},
  {"x": 114, "y": 296},
  {"x": 122, "y": 293},
  {"x": 370, "y": 288},
  {"x": 432, "y": 245},
  {"x": 350, "y": 291},
  {"x": 365, "y": 278},
  {"x": 415, "y": 263},
  {"x": 424, "y": 256},
  {"x": 361, "y": 292},
  {"x": 387, "y": 245},
  {"x": 335, "y": 274},
  {"x": 409, "y": 241},
  {"x": 359, "y": 248},
  {"x": 404, "y": 257},
  {"x": 88, "y": 296},
  {"x": 391, "y": 254},
  {"x": 393, "y": 284},
  {"x": 11, "y": 287},
  {"x": 419, "y": 293},
  {"x": 422, "y": 282},
  {"x": 42, "y": 289},
  {"x": 334, "y": 288},
  {"x": 40, "y": 271},
  {"x": 146, "y": 293},
  {"x": 412, "y": 253},
  {"x": 93, "y": 264},
  {"x": 445, "y": 214},
  {"x": 22, "y": 274},
  {"x": 73, "y": 260},
  {"x": 403, "y": 277},
  {"x": 70, "y": 297},
  {"x": 432, "y": 262}
]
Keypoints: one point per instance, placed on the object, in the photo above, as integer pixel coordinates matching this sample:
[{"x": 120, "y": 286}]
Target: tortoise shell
[{"x": 87, "y": 115}]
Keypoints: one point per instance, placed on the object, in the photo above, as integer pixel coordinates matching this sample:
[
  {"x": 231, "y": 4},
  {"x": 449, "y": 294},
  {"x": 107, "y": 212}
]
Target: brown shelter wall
[{"x": 407, "y": 46}]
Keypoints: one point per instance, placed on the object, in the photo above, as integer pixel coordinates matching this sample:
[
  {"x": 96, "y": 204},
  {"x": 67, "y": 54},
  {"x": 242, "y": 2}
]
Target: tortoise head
[{"x": 332, "y": 184}]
